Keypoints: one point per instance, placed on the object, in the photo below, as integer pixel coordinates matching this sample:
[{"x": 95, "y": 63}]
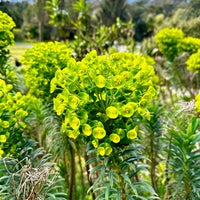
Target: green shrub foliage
[
  {"x": 6, "y": 39},
  {"x": 13, "y": 114},
  {"x": 6, "y": 26},
  {"x": 184, "y": 156}
]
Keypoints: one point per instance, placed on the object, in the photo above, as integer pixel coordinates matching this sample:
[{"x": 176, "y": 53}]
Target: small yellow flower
[
  {"x": 5, "y": 124},
  {"x": 73, "y": 101},
  {"x": 132, "y": 134},
  {"x": 1, "y": 153},
  {"x": 2, "y": 138},
  {"x": 112, "y": 112},
  {"x": 114, "y": 138},
  {"x": 87, "y": 130},
  {"x": 72, "y": 134},
  {"x": 99, "y": 132},
  {"x": 127, "y": 110},
  {"x": 74, "y": 122},
  {"x": 101, "y": 151},
  {"x": 100, "y": 81},
  {"x": 95, "y": 143},
  {"x": 60, "y": 109},
  {"x": 108, "y": 150}
]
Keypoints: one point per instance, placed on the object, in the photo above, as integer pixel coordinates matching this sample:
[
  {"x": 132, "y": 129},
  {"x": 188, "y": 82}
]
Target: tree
[
  {"x": 40, "y": 17},
  {"x": 14, "y": 10},
  {"x": 112, "y": 9}
]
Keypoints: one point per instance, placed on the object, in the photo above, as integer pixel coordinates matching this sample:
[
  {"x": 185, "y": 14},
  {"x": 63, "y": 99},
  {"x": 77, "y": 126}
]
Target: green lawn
[{"x": 18, "y": 49}]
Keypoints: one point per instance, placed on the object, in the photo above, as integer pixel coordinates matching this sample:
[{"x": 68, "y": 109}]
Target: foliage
[
  {"x": 14, "y": 10},
  {"x": 42, "y": 61},
  {"x": 167, "y": 40},
  {"x": 6, "y": 25},
  {"x": 110, "y": 10},
  {"x": 87, "y": 35},
  {"x": 6, "y": 38},
  {"x": 13, "y": 113},
  {"x": 119, "y": 176},
  {"x": 184, "y": 157},
  {"x": 103, "y": 39},
  {"x": 30, "y": 176}
]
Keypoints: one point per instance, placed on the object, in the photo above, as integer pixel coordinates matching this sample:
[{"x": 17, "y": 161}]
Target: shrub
[
  {"x": 12, "y": 119},
  {"x": 101, "y": 95},
  {"x": 102, "y": 99},
  {"x": 19, "y": 35},
  {"x": 6, "y": 26},
  {"x": 193, "y": 62},
  {"x": 167, "y": 40},
  {"x": 189, "y": 44},
  {"x": 6, "y": 39},
  {"x": 42, "y": 61}
]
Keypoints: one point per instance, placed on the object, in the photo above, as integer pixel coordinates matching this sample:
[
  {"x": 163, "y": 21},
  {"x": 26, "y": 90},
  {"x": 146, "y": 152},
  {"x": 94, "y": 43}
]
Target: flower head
[
  {"x": 99, "y": 132},
  {"x": 112, "y": 112}
]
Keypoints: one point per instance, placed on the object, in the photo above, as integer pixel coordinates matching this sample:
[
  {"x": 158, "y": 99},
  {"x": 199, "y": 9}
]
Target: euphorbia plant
[
  {"x": 102, "y": 99},
  {"x": 13, "y": 114},
  {"x": 41, "y": 62}
]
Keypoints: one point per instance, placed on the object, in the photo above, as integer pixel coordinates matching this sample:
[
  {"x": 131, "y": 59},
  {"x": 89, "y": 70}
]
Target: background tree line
[{"x": 33, "y": 19}]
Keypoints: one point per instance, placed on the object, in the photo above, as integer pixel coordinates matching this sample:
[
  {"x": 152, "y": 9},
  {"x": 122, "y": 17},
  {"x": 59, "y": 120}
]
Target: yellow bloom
[
  {"x": 95, "y": 143},
  {"x": 60, "y": 109},
  {"x": 101, "y": 151},
  {"x": 1, "y": 153},
  {"x": 114, "y": 138},
  {"x": 87, "y": 130},
  {"x": 132, "y": 134},
  {"x": 112, "y": 112},
  {"x": 73, "y": 101},
  {"x": 2, "y": 138},
  {"x": 127, "y": 110},
  {"x": 72, "y": 134},
  {"x": 99, "y": 132},
  {"x": 108, "y": 150},
  {"x": 100, "y": 81},
  {"x": 117, "y": 80},
  {"x": 74, "y": 122},
  {"x": 5, "y": 124}
]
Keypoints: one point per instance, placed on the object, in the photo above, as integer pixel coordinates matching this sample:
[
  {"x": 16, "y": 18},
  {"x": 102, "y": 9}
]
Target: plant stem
[
  {"x": 88, "y": 177},
  {"x": 72, "y": 186},
  {"x": 153, "y": 162}
]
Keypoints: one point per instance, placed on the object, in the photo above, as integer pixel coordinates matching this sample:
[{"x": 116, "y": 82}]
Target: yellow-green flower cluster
[
  {"x": 100, "y": 96},
  {"x": 193, "y": 62},
  {"x": 6, "y": 26},
  {"x": 41, "y": 63},
  {"x": 168, "y": 40},
  {"x": 171, "y": 42},
  {"x": 189, "y": 44},
  {"x": 12, "y": 115}
]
